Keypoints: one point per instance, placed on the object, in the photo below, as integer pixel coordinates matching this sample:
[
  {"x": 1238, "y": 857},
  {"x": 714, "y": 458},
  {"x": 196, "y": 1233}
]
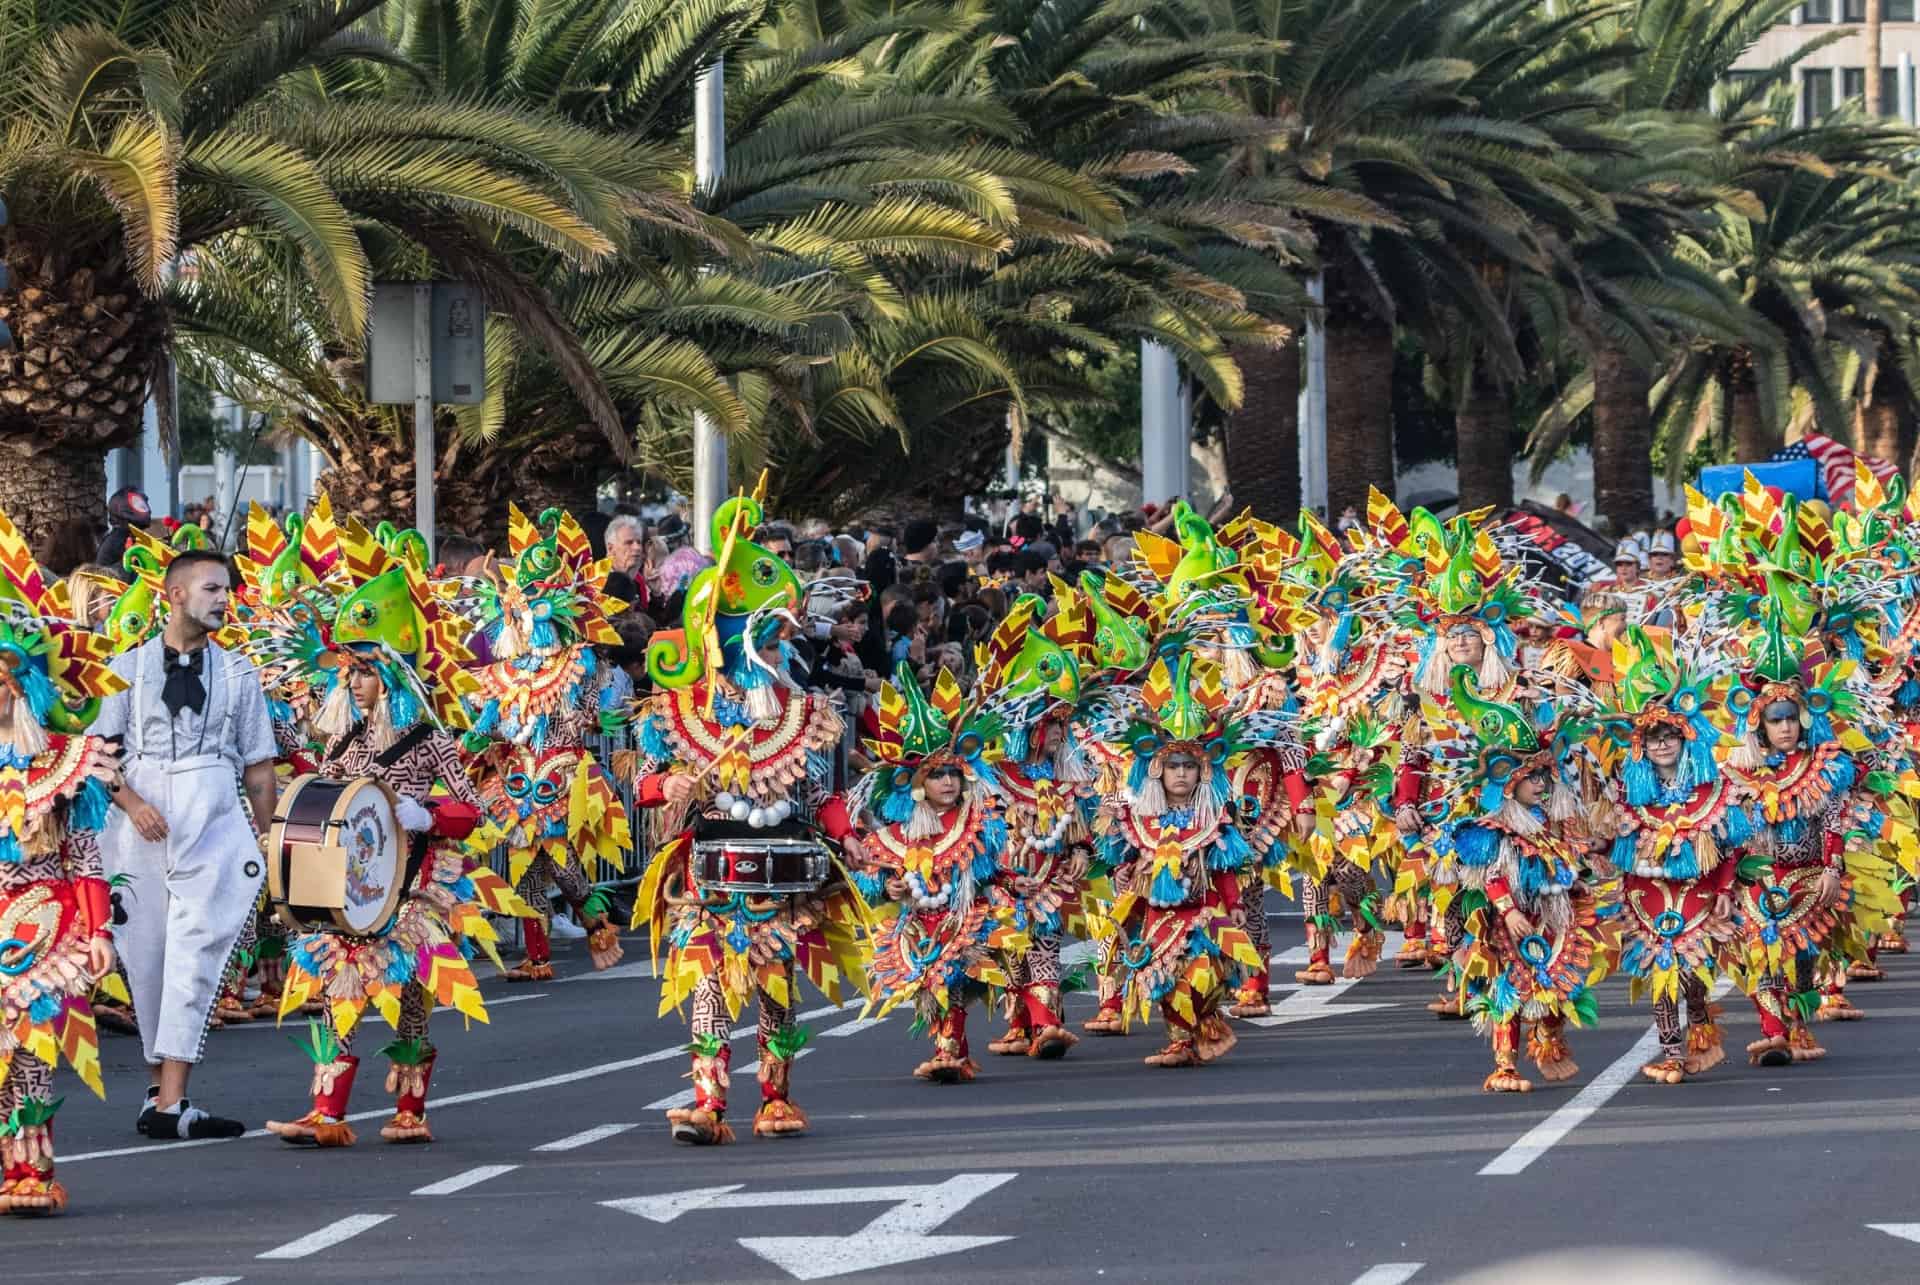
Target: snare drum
[
  {"x": 336, "y": 856},
  {"x": 728, "y": 858}
]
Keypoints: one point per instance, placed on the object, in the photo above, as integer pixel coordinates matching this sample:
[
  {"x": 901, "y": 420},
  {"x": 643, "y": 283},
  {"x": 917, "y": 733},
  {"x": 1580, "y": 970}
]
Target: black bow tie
[{"x": 183, "y": 689}]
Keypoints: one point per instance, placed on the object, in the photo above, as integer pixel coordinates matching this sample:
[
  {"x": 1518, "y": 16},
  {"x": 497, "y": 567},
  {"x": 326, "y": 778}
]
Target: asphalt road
[{"x": 1349, "y": 1142}]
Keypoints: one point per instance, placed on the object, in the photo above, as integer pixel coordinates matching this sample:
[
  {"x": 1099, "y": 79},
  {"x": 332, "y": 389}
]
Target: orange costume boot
[{"x": 704, "y": 1124}]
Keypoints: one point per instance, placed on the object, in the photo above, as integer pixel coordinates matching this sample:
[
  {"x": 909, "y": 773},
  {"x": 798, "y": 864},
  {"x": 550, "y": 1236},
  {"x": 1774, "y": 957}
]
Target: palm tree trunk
[
  {"x": 1622, "y": 440},
  {"x": 1875, "y": 17},
  {"x": 1881, "y": 432},
  {"x": 1359, "y": 409},
  {"x": 1263, "y": 436},
  {"x": 1753, "y": 441},
  {"x": 1484, "y": 449},
  {"x": 38, "y": 492}
]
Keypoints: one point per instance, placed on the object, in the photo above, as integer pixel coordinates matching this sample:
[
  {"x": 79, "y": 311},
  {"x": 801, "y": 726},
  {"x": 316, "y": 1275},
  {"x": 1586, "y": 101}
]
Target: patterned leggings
[
  {"x": 1033, "y": 984},
  {"x": 710, "y": 1016},
  {"x": 1666, "y": 1014},
  {"x": 28, "y": 1079},
  {"x": 1353, "y": 884},
  {"x": 532, "y": 887},
  {"x": 414, "y": 1010},
  {"x": 1773, "y": 999}
]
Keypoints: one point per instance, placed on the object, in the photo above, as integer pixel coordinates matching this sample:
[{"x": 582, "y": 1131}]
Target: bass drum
[{"x": 336, "y": 856}]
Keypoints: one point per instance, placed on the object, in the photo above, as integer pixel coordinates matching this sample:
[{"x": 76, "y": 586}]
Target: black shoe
[{"x": 187, "y": 1122}]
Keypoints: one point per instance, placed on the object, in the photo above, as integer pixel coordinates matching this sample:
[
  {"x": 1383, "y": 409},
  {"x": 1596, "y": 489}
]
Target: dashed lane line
[
  {"x": 1388, "y": 1274},
  {"x": 327, "y": 1237},
  {"x": 457, "y": 1099},
  {"x": 212, "y": 1280},
  {"x": 461, "y": 1181},
  {"x": 1537, "y": 1141},
  {"x": 586, "y": 1137}
]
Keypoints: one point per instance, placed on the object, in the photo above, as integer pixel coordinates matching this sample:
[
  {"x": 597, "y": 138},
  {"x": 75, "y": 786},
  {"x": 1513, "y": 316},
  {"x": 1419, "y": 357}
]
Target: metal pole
[
  {"x": 709, "y": 164},
  {"x": 233, "y": 417},
  {"x": 1163, "y": 445},
  {"x": 423, "y": 415},
  {"x": 1313, "y": 401},
  {"x": 1906, "y": 87}
]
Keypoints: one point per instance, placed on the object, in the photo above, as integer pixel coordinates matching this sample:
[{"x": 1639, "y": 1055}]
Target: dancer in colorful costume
[
  {"x": 1677, "y": 834},
  {"x": 730, "y": 745},
  {"x": 1350, "y": 672},
  {"x": 539, "y": 620},
  {"x": 1795, "y": 772},
  {"x": 55, "y": 911},
  {"x": 383, "y": 656},
  {"x": 938, "y": 857},
  {"x": 1464, "y": 598},
  {"x": 1531, "y": 928},
  {"x": 1030, "y": 678},
  {"x": 1173, "y": 839}
]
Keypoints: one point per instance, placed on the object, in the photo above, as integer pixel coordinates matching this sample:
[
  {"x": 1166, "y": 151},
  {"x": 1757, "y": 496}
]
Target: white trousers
[{"x": 186, "y": 898}]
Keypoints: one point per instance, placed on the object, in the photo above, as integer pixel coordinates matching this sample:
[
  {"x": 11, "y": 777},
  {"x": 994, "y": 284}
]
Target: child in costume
[
  {"x": 55, "y": 914},
  {"x": 1530, "y": 924},
  {"x": 1173, "y": 839},
  {"x": 730, "y": 745},
  {"x": 1797, "y": 779},
  {"x": 383, "y": 656},
  {"x": 938, "y": 857},
  {"x": 1677, "y": 834},
  {"x": 1029, "y": 676},
  {"x": 539, "y": 618}
]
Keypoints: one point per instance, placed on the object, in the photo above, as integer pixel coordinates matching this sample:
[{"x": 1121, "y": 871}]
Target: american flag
[{"x": 1835, "y": 462}]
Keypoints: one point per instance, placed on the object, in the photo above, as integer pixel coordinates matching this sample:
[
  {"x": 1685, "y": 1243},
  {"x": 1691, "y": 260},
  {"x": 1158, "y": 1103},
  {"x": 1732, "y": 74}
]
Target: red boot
[
  {"x": 408, "y": 1076},
  {"x": 26, "y": 1162},
  {"x": 326, "y": 1124},
  {"x": 704, "y": 1123},
  {"x": 1049, "y": 1037},
  {"x": 538, "y": 965}
]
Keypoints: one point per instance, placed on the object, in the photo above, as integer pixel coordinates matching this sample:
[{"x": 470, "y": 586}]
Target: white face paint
[{"x": 200, "y": 594}]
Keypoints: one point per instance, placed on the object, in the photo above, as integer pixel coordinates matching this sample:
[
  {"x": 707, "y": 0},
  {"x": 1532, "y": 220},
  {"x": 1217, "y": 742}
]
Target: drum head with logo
[{"x": 376, "y": 862}]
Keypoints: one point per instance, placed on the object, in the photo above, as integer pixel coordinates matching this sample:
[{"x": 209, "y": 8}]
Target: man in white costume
[{"x": 194, "y": 731}]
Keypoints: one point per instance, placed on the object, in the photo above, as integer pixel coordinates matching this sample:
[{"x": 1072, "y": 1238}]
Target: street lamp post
[{"x": 709, "y": 164}]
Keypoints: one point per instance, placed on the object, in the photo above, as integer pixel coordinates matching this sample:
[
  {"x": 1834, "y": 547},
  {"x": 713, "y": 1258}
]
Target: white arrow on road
[
  {"x": 900, "y": 1235},
  {"x": 1905, "y": 1231},
  {"x": 1312, "y": 1002}
]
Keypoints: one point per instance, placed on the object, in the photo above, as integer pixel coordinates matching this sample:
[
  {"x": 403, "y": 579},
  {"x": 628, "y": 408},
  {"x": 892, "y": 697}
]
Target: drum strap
[
  {"x": 416, "y": 735},
  {"x": 393, "y": 753}
]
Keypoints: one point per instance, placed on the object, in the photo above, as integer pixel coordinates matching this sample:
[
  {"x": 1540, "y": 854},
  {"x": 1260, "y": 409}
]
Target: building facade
[{"x": 1837, "y": 73}]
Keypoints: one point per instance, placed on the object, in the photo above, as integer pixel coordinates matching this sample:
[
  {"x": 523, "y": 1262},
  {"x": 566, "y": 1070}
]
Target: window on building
[
  {"x": 1817, "y": 11},
  {"x": 1816, "y": 91},
  {"x": 1853, "y": 87},
  {"x": 1856, "y": 11}
]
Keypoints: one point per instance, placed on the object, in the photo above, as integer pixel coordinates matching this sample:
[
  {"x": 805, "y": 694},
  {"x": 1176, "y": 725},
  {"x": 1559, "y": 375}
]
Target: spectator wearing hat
[
  {"x": 1628, "y": 563},
  {"x": 1663, "y": 556}
]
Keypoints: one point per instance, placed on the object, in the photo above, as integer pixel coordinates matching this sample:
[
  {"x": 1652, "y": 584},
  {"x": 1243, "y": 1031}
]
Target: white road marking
[
  {"x": 461, "y": 1181},
  {"x": 586, "y": 1137},
  {"x": 286, "y": 1028},
  {"x": 1905, "y": 1231},
  {"x": 854, "y": 1027},
  {"x": 899, "y": 1235},
  {"x": 211, "y": 1280},
  {"x": 1387, "y": 1273},
  {"x": 1538, "y": 1140},
  {"x": 329, "y": 1236},
  {"x": 684, "y": 1098},
  {"x": 458, "y": 1099},
  {"x": 1310, "y": 1003}
]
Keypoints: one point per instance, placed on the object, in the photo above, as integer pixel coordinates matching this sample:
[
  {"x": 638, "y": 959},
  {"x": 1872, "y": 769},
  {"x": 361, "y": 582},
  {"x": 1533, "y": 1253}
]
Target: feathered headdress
[
  {"x": 56, "y": 669},
  {"x": 368, "y": 609}
]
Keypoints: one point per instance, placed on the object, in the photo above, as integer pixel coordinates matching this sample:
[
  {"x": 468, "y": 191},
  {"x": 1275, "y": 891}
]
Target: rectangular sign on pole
[{"x": 459, "y": 333}]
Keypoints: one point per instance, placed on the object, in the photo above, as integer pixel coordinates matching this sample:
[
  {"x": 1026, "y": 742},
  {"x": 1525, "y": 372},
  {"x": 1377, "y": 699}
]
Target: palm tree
[
  {"x": 151, "y": 134},
  {"x": 1639, "y": 300},
  {"x": 1822, "y": 256}
]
